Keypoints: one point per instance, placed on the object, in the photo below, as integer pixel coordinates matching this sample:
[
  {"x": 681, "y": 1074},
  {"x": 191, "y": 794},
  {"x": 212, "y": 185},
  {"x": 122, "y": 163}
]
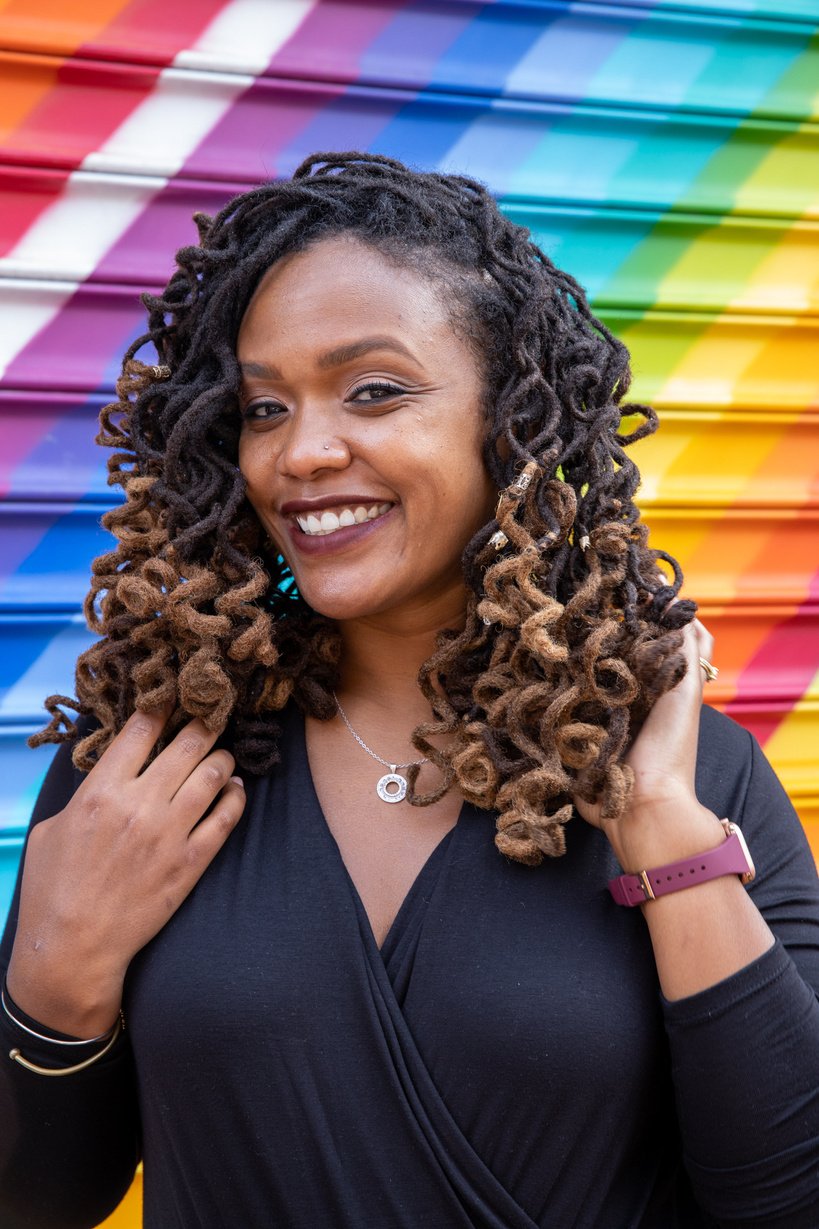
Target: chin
[{"x": 340, "y": 607}]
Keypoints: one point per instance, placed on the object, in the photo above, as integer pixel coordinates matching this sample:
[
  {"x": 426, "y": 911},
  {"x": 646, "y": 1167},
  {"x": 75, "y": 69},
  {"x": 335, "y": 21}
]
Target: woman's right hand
[{"x": 105, "y": 874}]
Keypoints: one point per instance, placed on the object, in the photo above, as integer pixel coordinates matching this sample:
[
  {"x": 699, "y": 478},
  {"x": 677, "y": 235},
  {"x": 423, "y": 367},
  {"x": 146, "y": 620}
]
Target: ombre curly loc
[{"x": 572, "y": 631}]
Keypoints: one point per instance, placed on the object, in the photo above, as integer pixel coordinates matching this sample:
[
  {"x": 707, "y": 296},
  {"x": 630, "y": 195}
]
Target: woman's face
[{"x": 362, "y": 432}]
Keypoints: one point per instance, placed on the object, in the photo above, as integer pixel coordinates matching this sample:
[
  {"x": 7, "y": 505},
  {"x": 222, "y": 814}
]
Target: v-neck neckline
[{"x": 420, "y": 880}]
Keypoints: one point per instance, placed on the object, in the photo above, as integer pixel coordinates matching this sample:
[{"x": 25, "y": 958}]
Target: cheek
[{"x": 256, "y": 467}]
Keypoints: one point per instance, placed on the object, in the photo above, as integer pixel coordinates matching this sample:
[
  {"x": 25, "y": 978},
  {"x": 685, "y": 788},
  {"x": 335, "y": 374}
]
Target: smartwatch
[{"x": 729, "y": 858}]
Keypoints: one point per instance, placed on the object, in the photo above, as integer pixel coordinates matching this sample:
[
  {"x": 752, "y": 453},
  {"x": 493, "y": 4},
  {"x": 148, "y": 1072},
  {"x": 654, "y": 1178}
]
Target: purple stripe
[
  {"x": 144, "y": 252},
  {"x": 332, "y": 39},
  {"x": 48, "y": 447},
  {"x": 416, "y": 40},
  {"x": 345, "y": 30},
  {"x": 81, "y": 348},
  {"x": 568, "y": 54},
  {"x": 247, "y": 141},
  {"x": 352, "y": 121}
]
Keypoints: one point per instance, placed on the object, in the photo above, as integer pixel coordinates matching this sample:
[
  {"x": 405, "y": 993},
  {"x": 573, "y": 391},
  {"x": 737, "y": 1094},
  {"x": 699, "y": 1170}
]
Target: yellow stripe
[{"x": 783, "y": 167}]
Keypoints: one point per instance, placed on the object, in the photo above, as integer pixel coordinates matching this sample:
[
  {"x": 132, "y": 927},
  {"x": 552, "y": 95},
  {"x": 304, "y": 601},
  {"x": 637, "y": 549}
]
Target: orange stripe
[
  {"x": 738, "y": 635},
  {"x": 730, "y": 458},
  {"x": 24, "y": 83},
  {"x": 788, "y": 456},
  {"x": 753, "y": 555},
  {"x": 55, "y": 27}
]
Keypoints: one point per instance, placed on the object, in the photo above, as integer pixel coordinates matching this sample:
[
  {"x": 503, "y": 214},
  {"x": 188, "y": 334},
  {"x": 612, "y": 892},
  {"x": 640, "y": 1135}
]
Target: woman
[{"x": 380, "y": 595}]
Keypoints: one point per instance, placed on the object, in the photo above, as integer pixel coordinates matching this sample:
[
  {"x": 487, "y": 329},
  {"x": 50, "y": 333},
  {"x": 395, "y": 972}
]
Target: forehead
[{"x": 341, "y": 280}]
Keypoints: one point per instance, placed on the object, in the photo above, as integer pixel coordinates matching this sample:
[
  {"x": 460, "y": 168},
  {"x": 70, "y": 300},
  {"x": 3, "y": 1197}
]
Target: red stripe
[
  {"x": 153, "y": 31},
  {"x": 75, "y": 116},
  {"x": 25, "y": 195},
  {"x": 793, "y": 646}
]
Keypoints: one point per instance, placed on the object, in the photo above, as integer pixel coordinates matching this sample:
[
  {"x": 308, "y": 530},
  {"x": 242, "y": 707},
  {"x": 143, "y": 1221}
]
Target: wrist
[
  {"x": 85, "y": 1009},
  {"x": 655, "y": 836}
]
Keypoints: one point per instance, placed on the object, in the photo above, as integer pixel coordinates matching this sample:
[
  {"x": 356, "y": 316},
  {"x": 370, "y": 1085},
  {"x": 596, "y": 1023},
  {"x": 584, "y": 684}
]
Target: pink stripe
[
  {"x": 345, "y": 31},
  {"x": 792, "y": 651},
  {"x": 761, "y": 720}
]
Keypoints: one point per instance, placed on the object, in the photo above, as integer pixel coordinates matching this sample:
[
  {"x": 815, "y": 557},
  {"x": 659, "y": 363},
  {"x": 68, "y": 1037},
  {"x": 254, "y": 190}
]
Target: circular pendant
[{"x": 398, "y": 790}]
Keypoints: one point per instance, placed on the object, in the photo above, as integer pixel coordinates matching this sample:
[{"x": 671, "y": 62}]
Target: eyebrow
[{"x": 334, "y": 358}]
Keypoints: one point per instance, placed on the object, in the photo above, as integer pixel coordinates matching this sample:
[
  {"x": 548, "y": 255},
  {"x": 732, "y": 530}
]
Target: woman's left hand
[
  {"x": 707, "y": 932},
  {"x": 663, "y": 758}
]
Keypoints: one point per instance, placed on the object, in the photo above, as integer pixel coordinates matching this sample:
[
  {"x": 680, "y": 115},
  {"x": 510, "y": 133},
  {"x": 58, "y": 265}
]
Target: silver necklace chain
[{"x": 393, "y": 777}]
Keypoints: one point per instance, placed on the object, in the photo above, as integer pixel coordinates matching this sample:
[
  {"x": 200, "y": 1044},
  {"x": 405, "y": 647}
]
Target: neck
[{"x": 381, "y": 658}]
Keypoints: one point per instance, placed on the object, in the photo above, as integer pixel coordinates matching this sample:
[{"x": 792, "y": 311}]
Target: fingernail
[{"x": 238, "y": 781}]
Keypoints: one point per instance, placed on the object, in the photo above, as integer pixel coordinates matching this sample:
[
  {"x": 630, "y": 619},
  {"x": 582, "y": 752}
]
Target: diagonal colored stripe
[
  {"x": 51, "y": 26},
  {"x": 25, "y": 195},
  {"x": 153, "y": 31},
  {"x": 24, "y": 84},
  {"x": 792, "y": 647},
  {"x": 68, "y": 109},
  {"x": 332, "y": 39},
  {"x": 48, "y": 447}
]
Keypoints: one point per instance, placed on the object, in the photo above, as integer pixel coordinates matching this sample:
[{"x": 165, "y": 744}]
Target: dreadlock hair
[{"x": 571, "y": 630}]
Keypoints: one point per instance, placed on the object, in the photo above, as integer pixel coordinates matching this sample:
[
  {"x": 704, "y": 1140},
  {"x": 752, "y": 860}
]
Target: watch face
[{"x": 748, "y": 875}]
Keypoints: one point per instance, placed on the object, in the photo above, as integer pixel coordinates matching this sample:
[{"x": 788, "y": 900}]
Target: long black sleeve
[
  {"x": 68, "y": 1146},
  {"x": 293, "y": 1074},
  {"x": 745, "y": 1052}
]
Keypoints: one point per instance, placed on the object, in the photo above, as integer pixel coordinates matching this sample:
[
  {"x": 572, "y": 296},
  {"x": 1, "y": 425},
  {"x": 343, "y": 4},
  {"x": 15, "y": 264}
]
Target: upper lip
[{"x": 319, "y": 502}]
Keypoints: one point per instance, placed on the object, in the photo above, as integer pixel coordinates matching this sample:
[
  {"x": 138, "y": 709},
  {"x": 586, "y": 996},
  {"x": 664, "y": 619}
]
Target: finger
[
  {"x": 209, "y": 836},
  {"x": 127, "y": 752},
  {"x": 675, "y": 714},
  {"x": 198, "y": 791},
  {"x": 183, "y": 754},
  {"x": 703, "y": 651}
]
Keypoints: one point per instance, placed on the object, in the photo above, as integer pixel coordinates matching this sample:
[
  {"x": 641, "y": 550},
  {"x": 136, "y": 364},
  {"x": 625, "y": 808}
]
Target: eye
[
  {"x": 262, "y": 411},
  {"x": 376, "y": 390}
]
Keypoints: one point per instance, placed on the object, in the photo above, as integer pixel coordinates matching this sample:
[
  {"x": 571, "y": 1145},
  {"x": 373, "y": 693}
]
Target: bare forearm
[{"x": 702, "y": 934}]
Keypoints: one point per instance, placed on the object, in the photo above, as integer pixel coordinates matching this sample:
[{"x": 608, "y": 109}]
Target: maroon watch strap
[{"x": 729, "y": 858}]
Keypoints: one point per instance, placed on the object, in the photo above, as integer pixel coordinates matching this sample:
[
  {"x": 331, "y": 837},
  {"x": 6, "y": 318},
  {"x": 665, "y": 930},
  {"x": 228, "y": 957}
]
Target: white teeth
[{"x": 330, "y": 522}]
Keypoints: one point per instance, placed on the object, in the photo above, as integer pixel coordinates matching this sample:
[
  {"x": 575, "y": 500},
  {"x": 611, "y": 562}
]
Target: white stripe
[
  {"x": 159, "y": 135},
  {"x": 26, "y": 308},
  {"x": 153, "y": 143},
  {"x": 245, "y": 35},
  {"x": 69, "y": 238}
]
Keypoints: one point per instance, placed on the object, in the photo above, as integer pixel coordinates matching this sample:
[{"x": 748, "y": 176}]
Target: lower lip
[{"x": 341, "y": 539}]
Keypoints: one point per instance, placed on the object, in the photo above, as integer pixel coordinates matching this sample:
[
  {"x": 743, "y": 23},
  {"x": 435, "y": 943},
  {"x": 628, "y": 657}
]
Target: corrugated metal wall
[{"x": 667, "y": 153}]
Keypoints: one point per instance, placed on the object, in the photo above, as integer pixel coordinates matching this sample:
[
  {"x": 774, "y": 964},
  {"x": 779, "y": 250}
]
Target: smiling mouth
[{"x": 319, "y": 525}]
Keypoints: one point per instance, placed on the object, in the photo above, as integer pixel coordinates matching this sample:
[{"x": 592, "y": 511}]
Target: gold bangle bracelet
[
  {"x": 17, "y": 1057},
  {"x": 57, "y": 1041}
]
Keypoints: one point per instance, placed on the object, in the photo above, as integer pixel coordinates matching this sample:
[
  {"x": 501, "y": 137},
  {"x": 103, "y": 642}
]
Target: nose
[{"x": 312, "y": 443}]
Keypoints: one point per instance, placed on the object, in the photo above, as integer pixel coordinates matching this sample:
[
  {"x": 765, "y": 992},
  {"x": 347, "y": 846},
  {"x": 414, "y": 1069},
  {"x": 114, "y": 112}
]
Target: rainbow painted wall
[{"x": 664, "y": 151}]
